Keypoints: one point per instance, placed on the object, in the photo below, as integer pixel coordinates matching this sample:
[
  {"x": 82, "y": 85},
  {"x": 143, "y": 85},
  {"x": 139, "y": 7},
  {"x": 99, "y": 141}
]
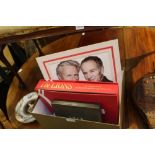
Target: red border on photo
[{"x": 72, "y": 55}]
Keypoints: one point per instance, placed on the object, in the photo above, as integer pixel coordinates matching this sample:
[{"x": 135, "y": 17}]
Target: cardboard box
[
  {"x": 45, "y": 117},
  {"x": 108, "y": 99}
]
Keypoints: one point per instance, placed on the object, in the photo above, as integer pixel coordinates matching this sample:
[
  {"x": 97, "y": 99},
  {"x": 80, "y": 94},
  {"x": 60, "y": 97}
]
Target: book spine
[{"x": 77, "y": 87}]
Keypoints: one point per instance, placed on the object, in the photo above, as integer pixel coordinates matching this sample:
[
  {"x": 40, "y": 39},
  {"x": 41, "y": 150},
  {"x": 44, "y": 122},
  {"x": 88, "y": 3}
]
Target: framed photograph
[{"x": 97, "y": 62}]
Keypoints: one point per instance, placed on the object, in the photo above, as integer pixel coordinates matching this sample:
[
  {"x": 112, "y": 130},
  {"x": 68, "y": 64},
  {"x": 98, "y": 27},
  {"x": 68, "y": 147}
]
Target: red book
[{"x": 104, "y": 94}]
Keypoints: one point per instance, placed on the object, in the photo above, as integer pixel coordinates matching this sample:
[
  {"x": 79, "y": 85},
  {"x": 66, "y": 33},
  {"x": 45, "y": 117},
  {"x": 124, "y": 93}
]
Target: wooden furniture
[
  {"x": 133, "y": 42},
  {"x": 30, "y": 74},
  {"x": 4, "y": 122}
]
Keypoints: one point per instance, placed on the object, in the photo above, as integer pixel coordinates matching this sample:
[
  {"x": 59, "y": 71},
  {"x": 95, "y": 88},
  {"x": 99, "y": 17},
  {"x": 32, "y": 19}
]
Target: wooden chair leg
[
  {"x": 4, "y": 121},
  {"x": 39, "y": 49}
]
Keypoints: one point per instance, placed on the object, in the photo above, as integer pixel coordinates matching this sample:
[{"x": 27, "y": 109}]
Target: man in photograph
[
  {"x": 68, "y": 70},
  {"x": 92, "y": 69}
]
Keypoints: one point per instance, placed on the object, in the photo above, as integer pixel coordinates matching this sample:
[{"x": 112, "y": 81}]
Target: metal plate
[{"x": 144, "y": 97}]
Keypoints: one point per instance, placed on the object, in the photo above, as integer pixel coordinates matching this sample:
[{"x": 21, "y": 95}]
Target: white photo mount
[{"x": 108, "y": 52}]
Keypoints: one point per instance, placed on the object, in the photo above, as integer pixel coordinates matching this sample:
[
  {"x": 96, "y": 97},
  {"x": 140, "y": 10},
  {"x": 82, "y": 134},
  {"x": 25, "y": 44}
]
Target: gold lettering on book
[
  {"x": 45, "y": 85},
  {"x": 65, "y": 86}
]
